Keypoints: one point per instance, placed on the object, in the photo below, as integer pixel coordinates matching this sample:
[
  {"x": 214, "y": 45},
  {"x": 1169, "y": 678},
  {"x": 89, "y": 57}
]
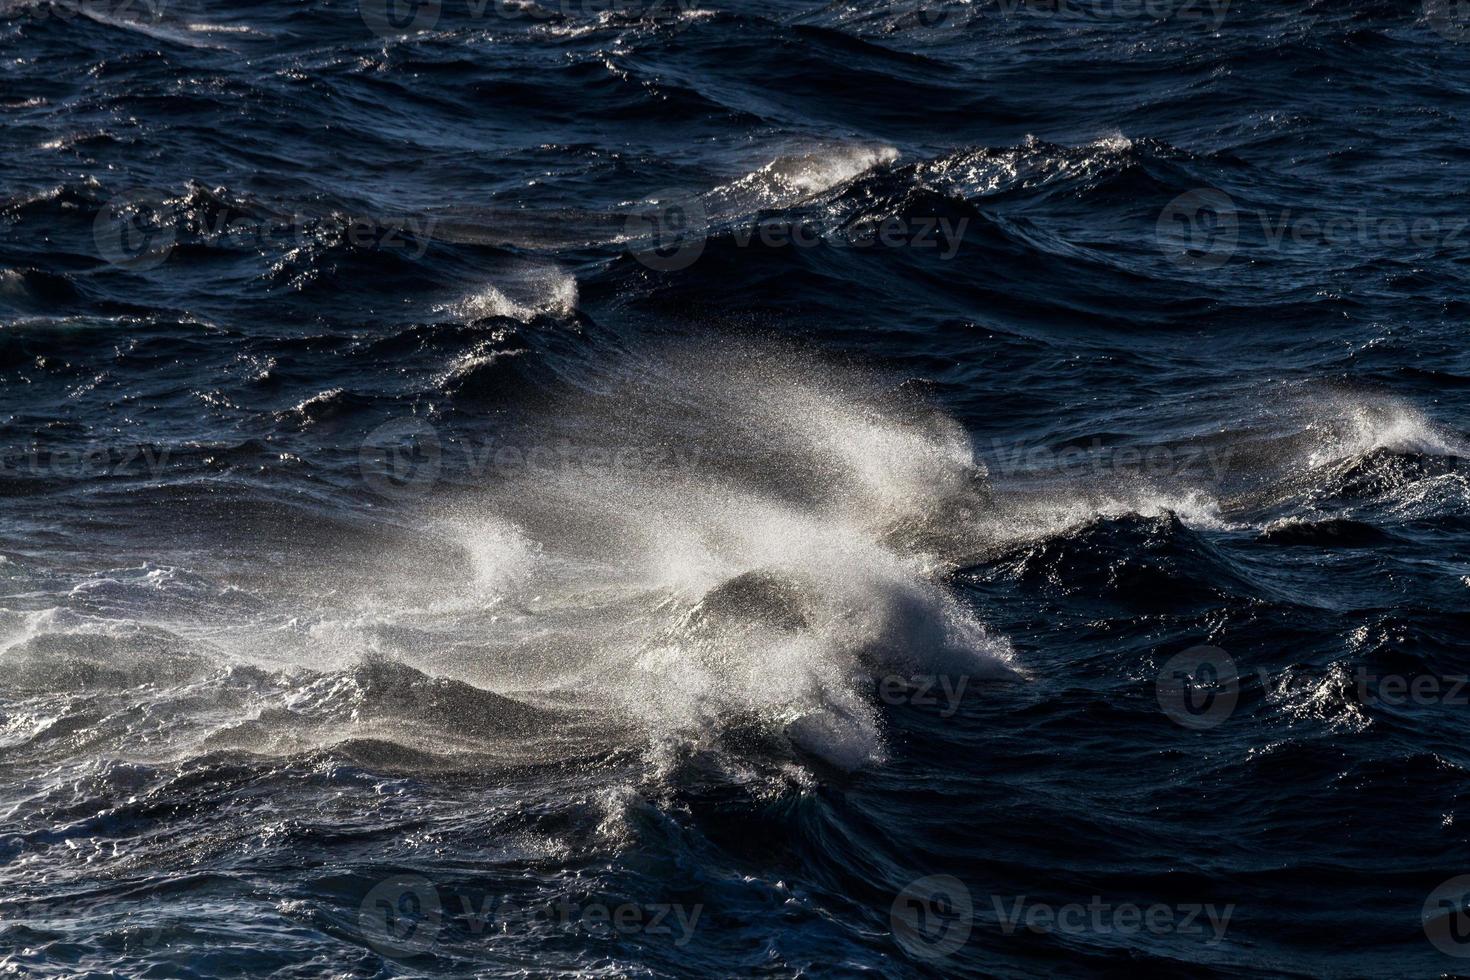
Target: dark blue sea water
[{"x": 705, "y": 488}]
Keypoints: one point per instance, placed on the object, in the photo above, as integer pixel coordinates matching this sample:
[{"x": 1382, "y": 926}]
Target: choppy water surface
[{"x": 734, "y": 488}]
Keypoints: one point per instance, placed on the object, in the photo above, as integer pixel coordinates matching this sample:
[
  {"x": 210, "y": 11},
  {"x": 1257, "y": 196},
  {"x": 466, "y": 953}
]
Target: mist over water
[
  {"x": 830, "y": 505},
  {"x": 590, "y": 576},
  {"x": 748, "y": 489}
]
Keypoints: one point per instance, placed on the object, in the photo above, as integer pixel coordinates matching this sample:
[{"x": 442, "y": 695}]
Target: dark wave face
[{"x": 706, "y": 488}]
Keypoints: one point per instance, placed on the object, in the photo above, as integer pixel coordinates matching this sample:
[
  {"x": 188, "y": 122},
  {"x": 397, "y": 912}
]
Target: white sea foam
[
  {"x": 795, "y": 175},
  {"x": 1347, "y": 425},
  {"x": 802, "y": 478},
  {"x": 520, "y": 294},
  {"x": 593, "y": 587},
  {"x": 791, "y": 545}
]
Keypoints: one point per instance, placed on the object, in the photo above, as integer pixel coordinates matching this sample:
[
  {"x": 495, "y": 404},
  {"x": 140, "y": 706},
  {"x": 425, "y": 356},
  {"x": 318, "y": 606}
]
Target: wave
[
  {"x": 795, "y": 176},
  {"x": 711, "y": 551},
  {"x": 720, "y": 546},
  {"x": 523, "y": 294},
  {"x": 744, "y": 557},
  {"x": 1349, "y": 425}
]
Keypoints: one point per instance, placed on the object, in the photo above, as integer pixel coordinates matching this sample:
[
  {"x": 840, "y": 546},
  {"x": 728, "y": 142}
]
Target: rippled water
[{"x": 734, "y": 488}]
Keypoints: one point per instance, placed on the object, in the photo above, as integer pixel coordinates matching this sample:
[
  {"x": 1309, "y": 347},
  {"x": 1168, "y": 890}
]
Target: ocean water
[{"x": 669, "y": 488}]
